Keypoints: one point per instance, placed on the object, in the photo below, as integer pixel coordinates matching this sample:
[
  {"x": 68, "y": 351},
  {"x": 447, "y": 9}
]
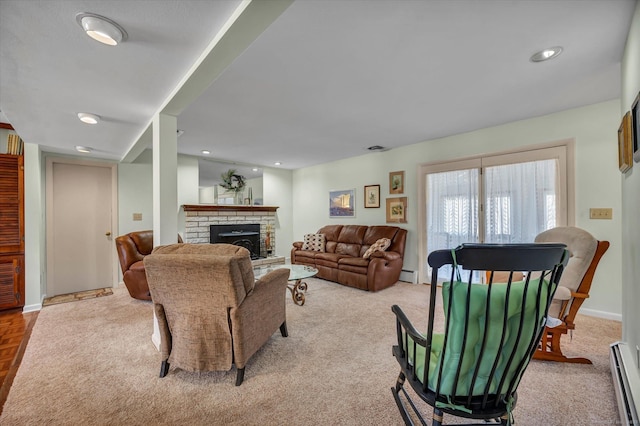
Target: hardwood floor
[{"x": 15, "y": 330}]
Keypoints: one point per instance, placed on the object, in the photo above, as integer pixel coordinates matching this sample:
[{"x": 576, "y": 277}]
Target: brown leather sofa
[
  {"x": 343, "y": 262},
  {"x": 132, "y": 248}
]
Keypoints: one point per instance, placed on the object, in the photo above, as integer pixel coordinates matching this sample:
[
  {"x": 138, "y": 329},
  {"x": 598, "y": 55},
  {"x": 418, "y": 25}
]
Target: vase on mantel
[{"x": 239, "y": 198}]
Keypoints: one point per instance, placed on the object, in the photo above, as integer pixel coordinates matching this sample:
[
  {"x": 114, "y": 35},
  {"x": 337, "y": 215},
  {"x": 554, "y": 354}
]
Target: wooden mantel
[{"x": 226, "y": 207}]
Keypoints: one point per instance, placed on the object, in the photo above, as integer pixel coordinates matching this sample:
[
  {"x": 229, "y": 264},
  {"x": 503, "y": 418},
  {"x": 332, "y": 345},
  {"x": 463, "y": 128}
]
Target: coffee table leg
[{"x": 296, "y": 292}]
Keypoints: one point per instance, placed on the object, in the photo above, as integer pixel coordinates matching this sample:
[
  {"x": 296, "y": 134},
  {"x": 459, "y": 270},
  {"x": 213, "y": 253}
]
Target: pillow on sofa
[
  {"x": 381, "y": 245},
  {"x": 314, "y": 242}
]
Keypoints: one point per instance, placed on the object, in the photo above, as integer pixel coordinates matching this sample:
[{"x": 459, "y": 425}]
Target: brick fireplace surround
[{"x": 198, "y": 217}]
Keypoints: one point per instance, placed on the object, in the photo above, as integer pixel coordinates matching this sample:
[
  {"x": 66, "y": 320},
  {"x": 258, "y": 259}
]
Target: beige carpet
[{"x": 92, "y": 362}]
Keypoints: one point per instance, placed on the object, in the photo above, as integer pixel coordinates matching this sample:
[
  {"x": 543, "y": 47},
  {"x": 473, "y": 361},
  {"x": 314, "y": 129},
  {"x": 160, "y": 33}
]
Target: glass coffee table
[{"x": 296, "y": 275}]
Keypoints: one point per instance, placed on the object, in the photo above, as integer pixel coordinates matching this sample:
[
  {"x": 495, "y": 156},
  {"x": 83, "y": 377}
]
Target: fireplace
[{"x": 245, "y": 235}]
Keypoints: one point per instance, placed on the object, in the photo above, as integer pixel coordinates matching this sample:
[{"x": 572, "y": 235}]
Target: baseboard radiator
[
  {"x": 409, "y": 276},
  {"x": 626, "y": 381}
]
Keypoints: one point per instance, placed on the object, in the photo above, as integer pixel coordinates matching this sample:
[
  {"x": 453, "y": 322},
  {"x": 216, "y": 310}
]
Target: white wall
[
  {"x": 594, "y": 129},
  {"x": 35, "y": 248},
  {"x": 135, "y": 195},
  {"x": 630, "y": 183},
  {"x": 135, "y": 190},
  {"x": 277, "y": 187}
]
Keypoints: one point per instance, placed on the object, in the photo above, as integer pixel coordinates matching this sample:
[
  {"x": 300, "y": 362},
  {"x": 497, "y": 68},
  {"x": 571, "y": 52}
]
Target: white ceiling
[{"x": 324, "y": 81}]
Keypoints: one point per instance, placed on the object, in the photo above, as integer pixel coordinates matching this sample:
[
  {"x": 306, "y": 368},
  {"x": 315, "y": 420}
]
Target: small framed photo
[
  {"x": 342, "y": 203},
  {"x": 397, "y": 210},
  {"x": 635, "y": 128},
  {"x": 625, "y": 153},
  {"x": 396, "y": 182},
  {"x": 371, "y": 196}
]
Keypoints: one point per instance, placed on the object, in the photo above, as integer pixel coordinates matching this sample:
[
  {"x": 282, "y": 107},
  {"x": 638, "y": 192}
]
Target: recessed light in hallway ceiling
[
  {"x": 101, "y": 29},
  {"x": 546, "y": 54}
]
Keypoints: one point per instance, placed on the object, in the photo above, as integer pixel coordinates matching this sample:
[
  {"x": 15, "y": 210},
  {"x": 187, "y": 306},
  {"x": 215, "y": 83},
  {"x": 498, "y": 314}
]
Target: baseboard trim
[
  {"x": 32, "y": 308},
  {"x": 600, "y": 314}
]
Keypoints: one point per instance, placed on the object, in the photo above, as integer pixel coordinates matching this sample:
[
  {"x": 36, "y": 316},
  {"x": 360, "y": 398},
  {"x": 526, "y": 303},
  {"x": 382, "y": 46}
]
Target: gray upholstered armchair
[
  {"x": 211, "y": 312},
  {"x": 585, "y": 254}
]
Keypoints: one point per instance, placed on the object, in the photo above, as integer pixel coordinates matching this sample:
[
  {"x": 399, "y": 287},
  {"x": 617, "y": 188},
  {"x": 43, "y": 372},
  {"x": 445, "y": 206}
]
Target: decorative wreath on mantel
[{"x": 232, "y": 181}]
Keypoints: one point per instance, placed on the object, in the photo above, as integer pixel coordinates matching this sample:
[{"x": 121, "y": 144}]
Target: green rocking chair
[{"x": 491, "y": 331}]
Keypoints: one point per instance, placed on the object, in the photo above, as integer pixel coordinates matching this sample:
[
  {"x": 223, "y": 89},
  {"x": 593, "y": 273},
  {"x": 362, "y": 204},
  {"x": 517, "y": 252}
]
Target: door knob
[{"x": 108, "y": 234}]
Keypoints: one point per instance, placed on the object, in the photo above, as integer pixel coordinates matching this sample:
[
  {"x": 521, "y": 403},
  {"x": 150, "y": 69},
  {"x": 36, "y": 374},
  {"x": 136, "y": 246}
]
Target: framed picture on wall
[
  {"x": 396, "y": 182},
  {"x": 371, "y": 196},
  {"x": 397, "y": 210},
  {"x": 635, "y": 128},
  {"x": 625, "y": 153},
  {"x": 342, "y": 203}
]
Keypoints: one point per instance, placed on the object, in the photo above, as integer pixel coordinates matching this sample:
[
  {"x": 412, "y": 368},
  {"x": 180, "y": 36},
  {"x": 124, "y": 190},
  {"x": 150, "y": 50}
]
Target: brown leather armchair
[
  {"x": 132, "y": 248},
  {"x": 212, "y": 313}
]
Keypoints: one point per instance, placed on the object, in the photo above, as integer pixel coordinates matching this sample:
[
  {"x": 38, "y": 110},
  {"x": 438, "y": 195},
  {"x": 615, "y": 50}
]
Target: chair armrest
[
  {"x": 562, "y": 293},
  {"x": 273, "y": 280},
  {"x": 402, "y": 320},
  {"x": 580, "y": 295}
]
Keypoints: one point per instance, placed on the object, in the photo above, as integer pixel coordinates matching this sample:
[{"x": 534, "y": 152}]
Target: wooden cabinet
[{"x": 11, "y": 231}]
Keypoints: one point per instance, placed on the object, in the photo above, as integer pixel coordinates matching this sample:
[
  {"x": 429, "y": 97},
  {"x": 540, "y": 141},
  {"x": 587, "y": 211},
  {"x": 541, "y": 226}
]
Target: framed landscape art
[
  {"x": 625, "y": 153},
  {"x": 397, "y": 210},
  {"x": 342, "y": 203},
  {"x": 371, "y": 196}
]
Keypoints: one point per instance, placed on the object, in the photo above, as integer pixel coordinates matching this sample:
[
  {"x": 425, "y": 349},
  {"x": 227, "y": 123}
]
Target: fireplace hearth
[{"x": 245, "y": 235}]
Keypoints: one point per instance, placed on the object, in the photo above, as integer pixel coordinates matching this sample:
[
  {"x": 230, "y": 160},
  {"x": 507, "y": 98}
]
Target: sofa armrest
[
  {"x": 386, "y": 255},
  {"x": 297, "y": 244}
]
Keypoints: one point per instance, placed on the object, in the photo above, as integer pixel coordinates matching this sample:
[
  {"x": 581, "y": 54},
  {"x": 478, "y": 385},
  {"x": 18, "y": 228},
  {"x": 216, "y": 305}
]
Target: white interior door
[{"x": 79, "y": 218}]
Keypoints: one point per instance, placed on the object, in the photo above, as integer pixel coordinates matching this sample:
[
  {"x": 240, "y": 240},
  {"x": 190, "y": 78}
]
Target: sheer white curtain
[
  {"x": 504, "y": 198},
  {"x": 519, "y": 201},
  {"x": 452, "y": 209}
]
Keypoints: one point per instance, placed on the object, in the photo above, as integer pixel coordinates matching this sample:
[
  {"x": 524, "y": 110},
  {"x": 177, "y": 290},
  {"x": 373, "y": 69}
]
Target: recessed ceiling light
[
  {"x": 546, "y": 54},
  {"x": 277, "y": 163},
  {"x": 83, "y": 149},
  {"x": 255, "y": 169},
  {"x": 205, "y": 152},
  {"x": 377, "y": 148},
  {"x": 101, "y": 29},
  {"x": 88, "y": 118}
]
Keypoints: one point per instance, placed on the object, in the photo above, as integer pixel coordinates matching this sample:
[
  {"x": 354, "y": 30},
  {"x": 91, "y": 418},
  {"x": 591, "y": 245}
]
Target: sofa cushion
[
  {"x": 353, "y": 261},
  {"x": 306, "y": 254},
  {"x": 381, "y": 245},
  {"x": 348, "y": 249},
  {"x": 328, "y": 259},
  {"x": 374, "y": 233},
  {"x": 352, "y": 234},
  {"x": 331, "y": 234},
  {"x": 314, "y": 242}
]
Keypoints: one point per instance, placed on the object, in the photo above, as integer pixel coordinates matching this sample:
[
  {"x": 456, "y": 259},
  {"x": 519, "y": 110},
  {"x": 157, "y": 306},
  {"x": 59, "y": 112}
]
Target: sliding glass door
[{"x": 498, "y": 199}]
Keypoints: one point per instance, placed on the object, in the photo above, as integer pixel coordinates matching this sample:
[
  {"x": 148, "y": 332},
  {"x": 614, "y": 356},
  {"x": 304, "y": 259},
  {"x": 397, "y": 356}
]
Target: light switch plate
[
  {"x": 600, "y": 213},
  {"x": 137, "y": 216}
]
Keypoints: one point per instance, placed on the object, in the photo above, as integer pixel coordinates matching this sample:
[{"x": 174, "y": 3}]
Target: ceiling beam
[{"x": 244, "y": 26}]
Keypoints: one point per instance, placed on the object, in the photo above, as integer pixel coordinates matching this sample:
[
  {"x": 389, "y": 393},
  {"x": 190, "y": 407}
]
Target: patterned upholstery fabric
[
  {"x": 381, "y": 245},
  {"x": 582, "y": 246},
  {"x": 211, "y": 312},
  {"x": 314, "y": 242}
]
